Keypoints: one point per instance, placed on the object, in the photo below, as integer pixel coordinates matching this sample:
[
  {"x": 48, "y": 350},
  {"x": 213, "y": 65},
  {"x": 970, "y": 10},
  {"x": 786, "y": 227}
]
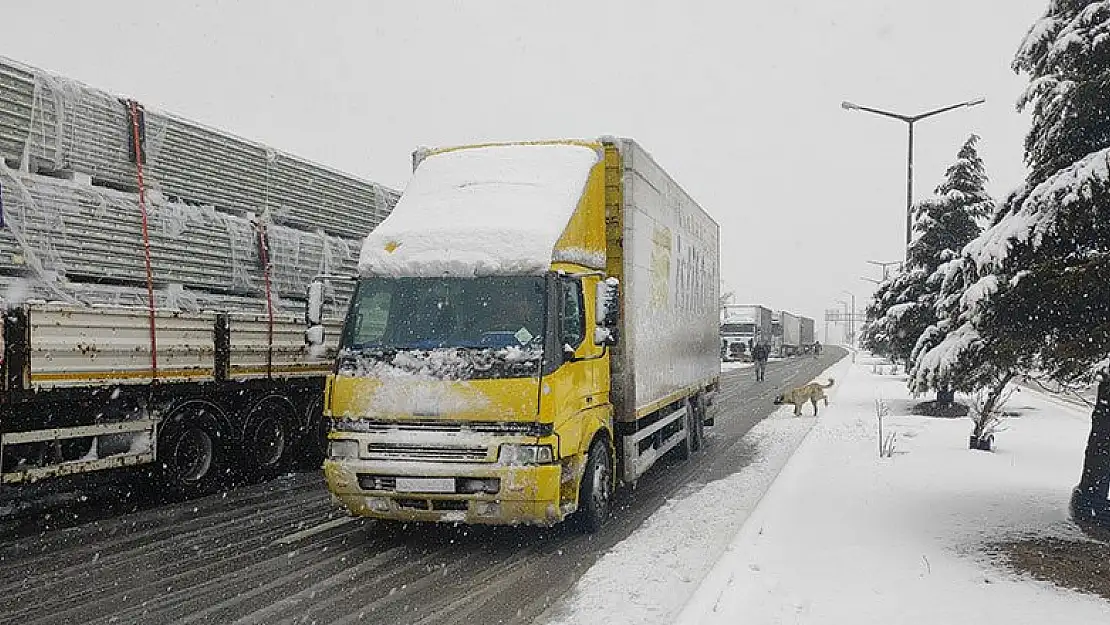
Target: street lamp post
[{"x": 910, "y": 121}]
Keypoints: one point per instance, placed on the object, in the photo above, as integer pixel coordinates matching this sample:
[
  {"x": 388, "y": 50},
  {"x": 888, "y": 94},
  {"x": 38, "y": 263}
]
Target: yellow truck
[{"x": 534, "y": 324}]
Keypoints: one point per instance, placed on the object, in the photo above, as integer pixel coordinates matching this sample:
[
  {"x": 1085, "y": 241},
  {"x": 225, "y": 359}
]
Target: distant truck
[
  {"x": 808, "y": 334},
  {"x": 533, "y": 324},
  {"x": 741, "y": 327},
  {"x": 787, "y": 333}
]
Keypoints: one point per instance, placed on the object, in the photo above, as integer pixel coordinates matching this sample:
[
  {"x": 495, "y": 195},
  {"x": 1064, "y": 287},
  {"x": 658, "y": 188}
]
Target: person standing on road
[
  {"x": 760, "y": 353},
  {"x": 816, "y": 349}
]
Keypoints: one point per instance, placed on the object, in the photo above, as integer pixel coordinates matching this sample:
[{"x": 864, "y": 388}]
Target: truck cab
[
  {"x": 489, "y": 389},
  {"x": 488, "y": 369},
  {"x": 737, "y": 336}
]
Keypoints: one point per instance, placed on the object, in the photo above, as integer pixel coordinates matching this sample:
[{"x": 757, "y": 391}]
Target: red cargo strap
[
  {"x": 264, "y": 252},
  {"x": 133, "y": 108}
]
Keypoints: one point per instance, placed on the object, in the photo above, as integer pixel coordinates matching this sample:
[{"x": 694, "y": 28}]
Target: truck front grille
[
  {"x": 419, "y": 453},
  {"x": 494, "y": 428}
]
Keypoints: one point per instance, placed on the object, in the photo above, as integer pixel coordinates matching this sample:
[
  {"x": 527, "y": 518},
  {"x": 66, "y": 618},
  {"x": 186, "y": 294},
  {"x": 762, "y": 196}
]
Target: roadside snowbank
[
  {"x": 649, "y": 576},
  {"x": 846, "y": 537}
]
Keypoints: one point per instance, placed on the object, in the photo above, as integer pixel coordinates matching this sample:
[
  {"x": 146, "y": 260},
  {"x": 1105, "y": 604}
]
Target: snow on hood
[{"x": 481, "y": 211}]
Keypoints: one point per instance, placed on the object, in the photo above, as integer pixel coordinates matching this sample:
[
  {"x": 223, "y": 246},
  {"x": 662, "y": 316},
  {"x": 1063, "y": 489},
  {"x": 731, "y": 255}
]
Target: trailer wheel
[
  {"x": 595, "y": 494},
  {"x": 191, "y": 452},
  {"x": 268, "y": 438}
]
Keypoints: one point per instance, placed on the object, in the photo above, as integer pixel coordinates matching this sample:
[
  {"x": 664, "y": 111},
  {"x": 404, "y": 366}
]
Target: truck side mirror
[
  {"x": 314, "y": 315},
  {"x": 607, "y": 300},
  {"x": 314, "y": 336},
  {"x": 314, "y": 309},
  {"x": 605, "y": 336}
]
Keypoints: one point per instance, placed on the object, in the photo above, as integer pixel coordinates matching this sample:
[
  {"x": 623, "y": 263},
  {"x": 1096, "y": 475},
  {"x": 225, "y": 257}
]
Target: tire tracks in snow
[{"x": 222, "y": 559}]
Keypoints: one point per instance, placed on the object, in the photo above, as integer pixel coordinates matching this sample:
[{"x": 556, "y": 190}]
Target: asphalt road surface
[{"x": 280, "y": 553}]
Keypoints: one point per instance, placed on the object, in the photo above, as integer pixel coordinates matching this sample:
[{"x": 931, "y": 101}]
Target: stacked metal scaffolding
[{"x": 72, "y": 223}]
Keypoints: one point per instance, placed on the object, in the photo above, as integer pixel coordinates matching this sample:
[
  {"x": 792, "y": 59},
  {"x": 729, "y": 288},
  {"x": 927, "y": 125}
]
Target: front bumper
[{"x": 527, "y": 495}]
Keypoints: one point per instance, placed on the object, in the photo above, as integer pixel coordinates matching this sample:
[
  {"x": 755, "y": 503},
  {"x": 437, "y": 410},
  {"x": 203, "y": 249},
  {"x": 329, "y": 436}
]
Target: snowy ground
[
  {"x": 831, "y": 533},
  {"x": 729, "y": 366},
  {"x": 649, "y": 576},
  {"x": 846, "y": 537}
]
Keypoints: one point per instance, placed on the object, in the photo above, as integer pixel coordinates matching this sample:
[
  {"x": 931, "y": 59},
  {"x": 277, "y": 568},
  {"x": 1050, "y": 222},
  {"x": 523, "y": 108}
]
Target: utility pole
[
  {"x": 910, "y": 120},
  {"x": 846, "y": 322},
  {"x": 851, "y": 318}
]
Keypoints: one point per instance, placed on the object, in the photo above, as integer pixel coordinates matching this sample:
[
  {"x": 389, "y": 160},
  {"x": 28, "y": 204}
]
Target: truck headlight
[
  {"x": 517, "y": 455},
  {"x": 341, "y": 449}
]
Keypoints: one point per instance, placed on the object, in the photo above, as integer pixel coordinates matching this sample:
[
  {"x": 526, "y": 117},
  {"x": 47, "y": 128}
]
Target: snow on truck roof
[{"x": 483, "y": 210}]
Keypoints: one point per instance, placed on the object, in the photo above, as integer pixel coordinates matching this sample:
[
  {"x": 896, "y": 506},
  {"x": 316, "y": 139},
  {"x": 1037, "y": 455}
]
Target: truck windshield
[
  {"x": 738, "y": 328},
  {"x": 480, "y": 320}
]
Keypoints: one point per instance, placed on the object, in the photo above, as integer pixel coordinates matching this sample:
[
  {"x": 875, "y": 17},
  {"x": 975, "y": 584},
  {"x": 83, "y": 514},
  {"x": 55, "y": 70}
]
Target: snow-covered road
[{"x": 280, "y": 553}]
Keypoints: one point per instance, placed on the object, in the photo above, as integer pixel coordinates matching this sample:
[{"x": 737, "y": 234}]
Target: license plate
[{"x": 425, "y": 485}]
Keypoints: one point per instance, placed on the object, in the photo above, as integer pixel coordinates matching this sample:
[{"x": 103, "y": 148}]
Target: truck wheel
[
  {"x": 267, "y": 438},
  {"x": 700, "y": 410},
  {"x": 693, "y": 433},
  {"x": 705, "y": 418},
  {"x": 595, "y": 494},
  {"x": 315, "y": 444},
  {"x": 695, "y": 423},
  {"x": 191, "y": 452}
]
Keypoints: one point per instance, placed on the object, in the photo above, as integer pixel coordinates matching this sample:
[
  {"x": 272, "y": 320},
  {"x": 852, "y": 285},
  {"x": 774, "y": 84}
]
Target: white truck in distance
[
  {"x": 742, "y": 327},
  {"x": 788, "y": 334}
]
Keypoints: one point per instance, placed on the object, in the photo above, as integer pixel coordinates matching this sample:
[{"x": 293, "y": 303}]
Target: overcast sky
[{"x": 740, "y": 101}]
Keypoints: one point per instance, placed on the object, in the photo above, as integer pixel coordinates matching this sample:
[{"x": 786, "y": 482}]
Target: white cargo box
[{"x": 671, "y": 268}]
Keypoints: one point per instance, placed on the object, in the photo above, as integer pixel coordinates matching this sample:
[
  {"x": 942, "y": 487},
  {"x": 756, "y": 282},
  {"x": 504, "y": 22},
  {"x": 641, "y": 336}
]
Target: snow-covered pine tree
[
  {"x": 905, "y": 305},
  {"x": 952, "y": 354},
  {"x": 874, "y": 334},
  {"x": 1049, "y": 245}
]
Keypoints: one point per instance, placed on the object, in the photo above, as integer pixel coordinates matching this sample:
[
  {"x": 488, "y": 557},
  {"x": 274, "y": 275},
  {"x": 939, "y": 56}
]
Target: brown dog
[{"x": 799, "y": 396}]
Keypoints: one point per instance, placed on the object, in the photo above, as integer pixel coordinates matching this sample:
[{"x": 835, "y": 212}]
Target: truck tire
[
  {"x": 695, "y": 430},
  {"x": 705, "y": 418},
  {"x": 697, "y": 425},
  {"x": 314, "y": 445},
  {"x": 268, "y": 438},
  {"x": 192, "y": 454},
  {"x": 595, "y": 494}
]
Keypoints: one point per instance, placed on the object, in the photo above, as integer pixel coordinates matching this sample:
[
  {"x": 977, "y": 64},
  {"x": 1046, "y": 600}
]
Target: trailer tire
[
  {"x": 595, "y": 494},
  {"x": 268, "y": 438},
  {"x": 192, "y": 451}
]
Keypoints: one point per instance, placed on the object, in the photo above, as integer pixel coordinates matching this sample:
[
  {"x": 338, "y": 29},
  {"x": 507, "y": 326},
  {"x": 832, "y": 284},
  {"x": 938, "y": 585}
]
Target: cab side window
[{"x": 573, "y": 315}]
